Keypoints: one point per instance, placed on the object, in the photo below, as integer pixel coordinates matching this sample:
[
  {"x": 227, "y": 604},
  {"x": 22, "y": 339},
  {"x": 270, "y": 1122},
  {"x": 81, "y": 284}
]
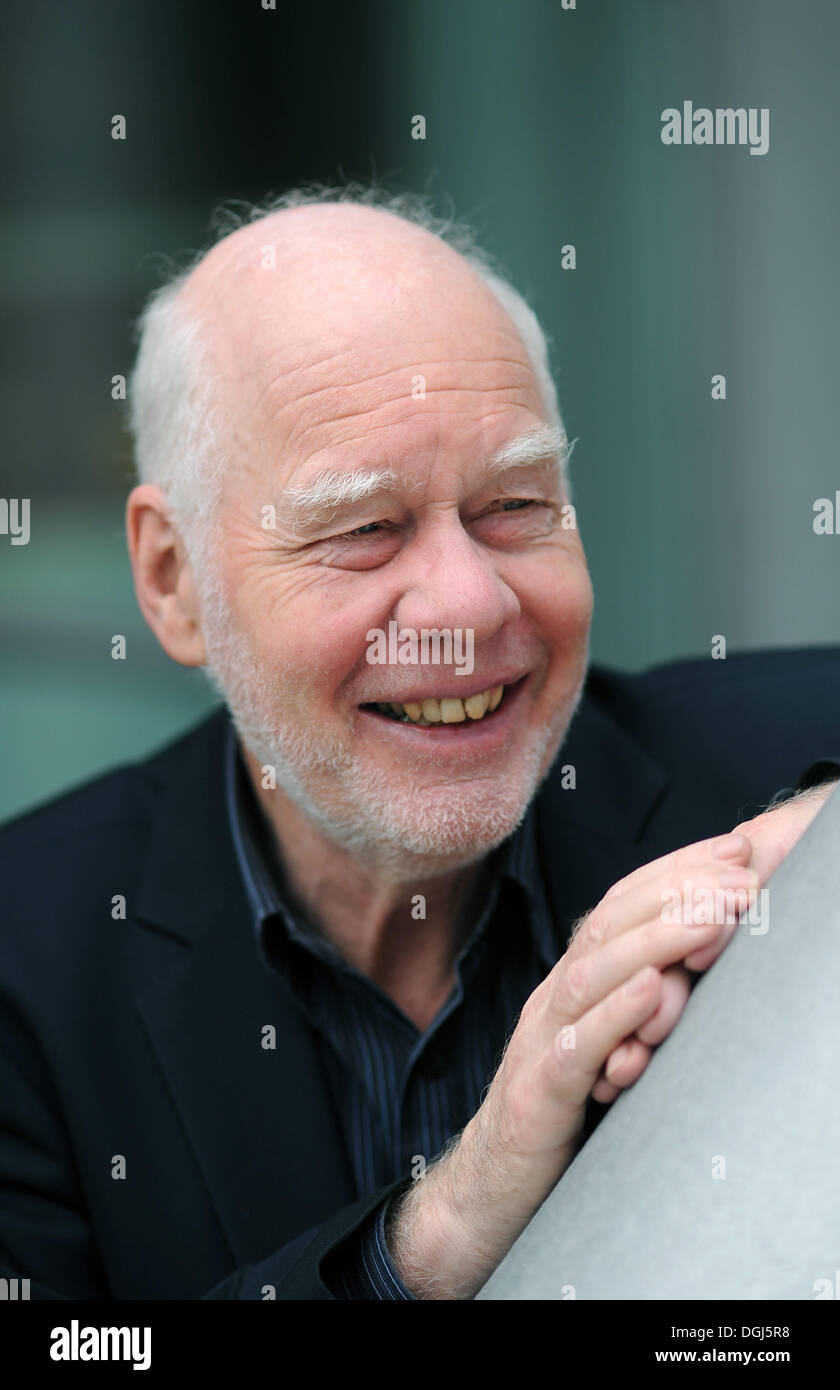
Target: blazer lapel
[
  {"x": 260, "y": 1120},
  {"x": 590, "y": 834}
]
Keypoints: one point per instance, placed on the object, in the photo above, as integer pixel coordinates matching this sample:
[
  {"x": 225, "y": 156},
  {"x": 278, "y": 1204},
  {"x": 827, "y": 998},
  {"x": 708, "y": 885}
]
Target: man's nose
[{"x": 452, "y": 582}]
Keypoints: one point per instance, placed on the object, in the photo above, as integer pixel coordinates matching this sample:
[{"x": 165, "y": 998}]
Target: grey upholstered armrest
[{"x": 718, "y": 1174}]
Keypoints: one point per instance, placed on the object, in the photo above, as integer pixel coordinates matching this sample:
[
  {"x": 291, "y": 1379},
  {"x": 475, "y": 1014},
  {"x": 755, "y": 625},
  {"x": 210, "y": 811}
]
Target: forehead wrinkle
[
  {"x": 299, "y": 431},
  {"x": 414, "y": 365},
  {"x": 283, "y": 382},
  {"x": 284, "y": 360},
  {"x": 361, "y": 411}
]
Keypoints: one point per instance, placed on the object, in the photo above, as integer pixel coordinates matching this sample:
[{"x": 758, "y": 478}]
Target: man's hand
[
  {"x": 589, "y": 1026},
  {"x": 772, "y": 835},
  {"x": 453, "y": 1228}
]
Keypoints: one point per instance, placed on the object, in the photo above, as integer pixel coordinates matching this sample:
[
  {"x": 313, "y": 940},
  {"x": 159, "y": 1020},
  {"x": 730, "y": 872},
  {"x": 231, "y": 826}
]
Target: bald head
[
  {"x": 313, "y": 298},
  {"x": 348, "y": 239}
]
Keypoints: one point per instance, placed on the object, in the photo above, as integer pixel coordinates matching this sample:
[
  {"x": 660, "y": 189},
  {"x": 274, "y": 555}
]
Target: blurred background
[{"x": 543, "y": 129}]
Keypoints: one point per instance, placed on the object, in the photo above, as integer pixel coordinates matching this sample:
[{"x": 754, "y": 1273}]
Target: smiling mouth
[{"x": 426, "y": 714}]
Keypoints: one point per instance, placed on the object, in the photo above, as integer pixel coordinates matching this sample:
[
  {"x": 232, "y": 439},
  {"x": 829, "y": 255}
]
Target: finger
[
  {"x": 774, "y": 833},
  {"x": 623, "y": 1066},
  {"x": 645, "y": 900},
  {"x": 676, "y": 987},
  {"x": 602, "y": 1028},
  {"x": 626, "y": 1064},
  {"x": 629, "y": 1059},
  {"x": 735, "y": 847},
  {"x": 707, "y": 955},
  {"x": 598, "y": 1033},
  {"x": 575, "y": 985}
]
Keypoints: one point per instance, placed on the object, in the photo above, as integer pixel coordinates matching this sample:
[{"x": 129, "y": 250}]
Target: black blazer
[{"x": 141, "y": 1037}]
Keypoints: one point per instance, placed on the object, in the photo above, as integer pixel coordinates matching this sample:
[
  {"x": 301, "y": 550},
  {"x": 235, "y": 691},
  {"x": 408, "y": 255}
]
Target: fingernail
[
  {"x": 615, "y": 1061},
  {"x": 728, "y": 846}
]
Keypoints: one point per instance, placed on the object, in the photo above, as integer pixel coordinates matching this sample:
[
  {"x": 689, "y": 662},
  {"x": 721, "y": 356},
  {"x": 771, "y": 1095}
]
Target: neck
[{"x": 404, "y": 934}]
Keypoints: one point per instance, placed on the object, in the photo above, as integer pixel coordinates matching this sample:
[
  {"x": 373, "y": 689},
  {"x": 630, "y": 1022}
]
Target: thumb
[{"x": 775, "y": 832}]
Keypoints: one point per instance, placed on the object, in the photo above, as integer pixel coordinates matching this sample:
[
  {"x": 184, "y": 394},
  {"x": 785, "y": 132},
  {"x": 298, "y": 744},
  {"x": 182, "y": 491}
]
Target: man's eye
[
  {"x": 515, "y": 504},
  {"x": 369, "y": 530}
]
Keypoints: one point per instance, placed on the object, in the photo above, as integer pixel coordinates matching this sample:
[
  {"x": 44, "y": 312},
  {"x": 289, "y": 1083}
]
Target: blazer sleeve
[
  {"x": 45, "y": 1235},
  {"x": 46, "y": 1232},
  {"x": 297, "y": 1271}
]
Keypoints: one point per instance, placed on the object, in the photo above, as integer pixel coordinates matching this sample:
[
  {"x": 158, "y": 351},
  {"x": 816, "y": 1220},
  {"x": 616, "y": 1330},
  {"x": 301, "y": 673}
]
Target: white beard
[{"x": 365, "y": 810}]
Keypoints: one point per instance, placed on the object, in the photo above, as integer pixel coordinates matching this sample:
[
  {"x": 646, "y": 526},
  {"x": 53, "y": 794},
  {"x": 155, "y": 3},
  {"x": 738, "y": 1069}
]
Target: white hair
[{"x": 178, "y": 432}]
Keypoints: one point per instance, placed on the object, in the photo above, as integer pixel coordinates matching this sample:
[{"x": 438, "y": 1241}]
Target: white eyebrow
[
  {"x": 332, "y": 489},
  {"x": 546, "y": 445}
]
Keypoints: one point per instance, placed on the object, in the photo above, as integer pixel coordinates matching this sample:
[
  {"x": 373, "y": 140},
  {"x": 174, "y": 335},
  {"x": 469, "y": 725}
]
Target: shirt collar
[{"x": 516, "y": 860}]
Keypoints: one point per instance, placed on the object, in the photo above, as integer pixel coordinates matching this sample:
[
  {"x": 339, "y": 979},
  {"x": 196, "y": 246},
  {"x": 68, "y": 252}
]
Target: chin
[
  {"x": 464, "y": 827},
  {"x": 408, "y": 831}
]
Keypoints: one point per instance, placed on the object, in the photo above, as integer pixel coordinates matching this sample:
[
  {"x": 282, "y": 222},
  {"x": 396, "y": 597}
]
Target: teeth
[
  {"x": 448, "y": 710},
  {"x": 452, "y": 711},
  {"x": 476, "y": 705}
]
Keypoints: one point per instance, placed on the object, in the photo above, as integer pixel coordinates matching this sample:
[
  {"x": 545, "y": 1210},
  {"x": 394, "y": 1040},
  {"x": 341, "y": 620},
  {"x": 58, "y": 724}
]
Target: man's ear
[{"x": 163, "y": 580}]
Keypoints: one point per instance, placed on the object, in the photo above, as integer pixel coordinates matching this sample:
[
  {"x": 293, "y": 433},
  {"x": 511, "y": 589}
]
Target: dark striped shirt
[{"x": 400, "y": 1093}]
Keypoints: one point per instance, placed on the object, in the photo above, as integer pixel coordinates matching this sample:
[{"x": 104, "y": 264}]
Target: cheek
[
  {"x": 562, "y": 609},
  {"x": 580, "y": 604},
  {"x": 312, "y": 657},
  {"x": 310, "y": 636}
]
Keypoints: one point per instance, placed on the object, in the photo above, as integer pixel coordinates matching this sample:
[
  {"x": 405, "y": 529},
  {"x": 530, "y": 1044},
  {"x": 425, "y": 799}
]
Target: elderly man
[{"x": 293, "y": 1008}]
